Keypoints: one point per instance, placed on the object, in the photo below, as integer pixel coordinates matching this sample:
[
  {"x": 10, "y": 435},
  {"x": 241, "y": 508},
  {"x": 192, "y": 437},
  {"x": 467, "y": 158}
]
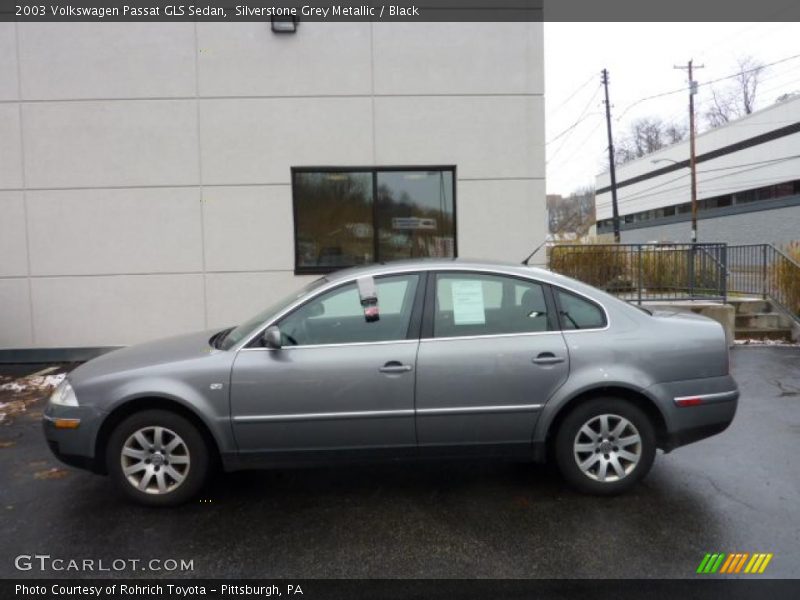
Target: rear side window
[{"x": 579, "y": 313}]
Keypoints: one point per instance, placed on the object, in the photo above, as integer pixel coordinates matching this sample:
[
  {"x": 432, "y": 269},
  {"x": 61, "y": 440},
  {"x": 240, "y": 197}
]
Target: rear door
[{"x": 490, "y": 356}]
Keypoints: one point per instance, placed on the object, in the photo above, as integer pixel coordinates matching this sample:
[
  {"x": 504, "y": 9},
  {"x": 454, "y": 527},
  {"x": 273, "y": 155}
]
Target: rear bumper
[{"x": 696, "y": 409}]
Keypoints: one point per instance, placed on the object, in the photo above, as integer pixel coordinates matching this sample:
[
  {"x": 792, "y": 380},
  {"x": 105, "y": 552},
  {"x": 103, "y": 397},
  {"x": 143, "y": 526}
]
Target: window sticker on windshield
[{"x": 468, "y": 307}]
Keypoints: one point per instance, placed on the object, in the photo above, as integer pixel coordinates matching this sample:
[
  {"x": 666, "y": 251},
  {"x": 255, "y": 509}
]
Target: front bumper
[{"x": 74, "y": 446}]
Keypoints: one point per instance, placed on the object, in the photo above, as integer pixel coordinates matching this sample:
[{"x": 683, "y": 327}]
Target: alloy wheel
[
  {"x": 155, "y": 460},
  {"x": 607, "y": 448}
]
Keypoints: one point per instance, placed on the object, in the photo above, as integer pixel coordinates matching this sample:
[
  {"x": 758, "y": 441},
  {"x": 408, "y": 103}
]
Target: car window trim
[
  {"x": 419, "y": 269},
  {"x": 418, "y": 306},
  {"x": 334, "y": 285},
  {"x": 430, "y": 304}
]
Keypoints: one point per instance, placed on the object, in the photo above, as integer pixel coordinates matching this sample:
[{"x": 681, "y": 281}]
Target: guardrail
[
  {"x": 647, "y": 271},
  {"x": 709, "y": 271},
  {"x": 764, "y": 270}
]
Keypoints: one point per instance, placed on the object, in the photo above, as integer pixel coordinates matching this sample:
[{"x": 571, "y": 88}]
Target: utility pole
[
  {"x": 692, "y": 155},
  {"x": 612, "y": 168}
]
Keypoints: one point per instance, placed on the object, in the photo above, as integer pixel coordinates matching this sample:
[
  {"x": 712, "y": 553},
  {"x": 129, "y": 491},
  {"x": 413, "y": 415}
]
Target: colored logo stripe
[
  {"x": 758, "y": 563},
  {"x": 734, "y": 562},
  {"x": 711, "y": 563}
]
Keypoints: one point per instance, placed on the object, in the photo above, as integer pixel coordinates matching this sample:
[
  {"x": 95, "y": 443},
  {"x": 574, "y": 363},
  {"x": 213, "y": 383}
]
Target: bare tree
[
  {"x": 571, "y": 217},
  {"x": 645, "y": 136},
  {"x": 738, "y": 98},
  {"x": 675, "y": 133}
]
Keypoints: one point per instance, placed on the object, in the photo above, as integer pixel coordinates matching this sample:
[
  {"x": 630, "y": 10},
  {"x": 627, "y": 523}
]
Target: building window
[{"x": 349, "y": 217}]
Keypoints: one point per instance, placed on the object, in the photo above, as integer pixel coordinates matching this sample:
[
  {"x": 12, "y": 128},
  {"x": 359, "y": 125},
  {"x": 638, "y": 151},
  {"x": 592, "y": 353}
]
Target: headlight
[{"x": 64, "y": 395}]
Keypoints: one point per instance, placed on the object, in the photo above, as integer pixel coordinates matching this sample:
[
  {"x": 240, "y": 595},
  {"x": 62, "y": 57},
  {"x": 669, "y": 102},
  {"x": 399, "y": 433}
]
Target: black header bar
[{"x": 401, "y": 10}]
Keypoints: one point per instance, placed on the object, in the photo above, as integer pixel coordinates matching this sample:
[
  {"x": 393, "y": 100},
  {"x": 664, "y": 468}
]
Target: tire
[
  {"x": 605, "y": 464},
  {"x": 152, "y": 473}
]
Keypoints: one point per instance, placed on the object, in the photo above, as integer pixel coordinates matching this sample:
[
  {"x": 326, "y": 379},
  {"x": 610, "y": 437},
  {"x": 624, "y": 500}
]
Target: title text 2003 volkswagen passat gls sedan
[{"x": 411, "y": 359}]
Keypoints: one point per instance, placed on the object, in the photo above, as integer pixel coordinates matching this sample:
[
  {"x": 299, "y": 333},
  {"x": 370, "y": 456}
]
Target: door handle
[
  {"x": 394, "y": 367},
  {"x": 548, "y": 358}
]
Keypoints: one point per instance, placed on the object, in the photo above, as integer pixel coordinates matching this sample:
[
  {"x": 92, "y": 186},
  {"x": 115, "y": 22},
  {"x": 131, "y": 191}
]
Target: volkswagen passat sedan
[{"x": 411, "y": 359}]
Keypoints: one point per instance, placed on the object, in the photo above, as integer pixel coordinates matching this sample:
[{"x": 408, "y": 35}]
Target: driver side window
[{"x": 337, "y": 316}]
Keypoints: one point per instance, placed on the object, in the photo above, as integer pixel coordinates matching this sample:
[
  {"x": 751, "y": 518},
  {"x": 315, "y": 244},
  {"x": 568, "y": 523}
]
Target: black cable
[
  {"x": 755, "y": 166},
  {"x": 572, "y": 95},
  {"x": 705, "y": 83},
  {"x": 582, "y": 116}
]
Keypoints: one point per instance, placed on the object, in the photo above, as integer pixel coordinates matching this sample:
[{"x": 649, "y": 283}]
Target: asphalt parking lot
[{"x": 737, "y": 492}]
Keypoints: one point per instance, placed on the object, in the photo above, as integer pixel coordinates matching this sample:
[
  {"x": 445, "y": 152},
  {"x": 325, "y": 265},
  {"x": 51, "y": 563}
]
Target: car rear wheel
[
  {"x": 158, "y": 458},
  {"x": 605, "y": 446}
]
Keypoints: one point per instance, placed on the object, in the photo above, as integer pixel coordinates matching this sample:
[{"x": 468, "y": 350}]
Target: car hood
[{"x": 159, "y": 352}]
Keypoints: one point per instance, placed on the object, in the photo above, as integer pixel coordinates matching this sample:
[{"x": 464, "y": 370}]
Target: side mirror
[{"x": 271, "y": 338}]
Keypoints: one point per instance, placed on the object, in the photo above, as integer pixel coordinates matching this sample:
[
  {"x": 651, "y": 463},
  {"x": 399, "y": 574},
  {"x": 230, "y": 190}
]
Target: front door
[
  {"x": 339, "y": 383},
  {"x": 490, "y": 357}
]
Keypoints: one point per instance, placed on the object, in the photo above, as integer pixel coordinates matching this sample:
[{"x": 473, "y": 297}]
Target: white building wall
[
  {"x": 145, "y": 173},
  {"x": 725, "y": 174}
]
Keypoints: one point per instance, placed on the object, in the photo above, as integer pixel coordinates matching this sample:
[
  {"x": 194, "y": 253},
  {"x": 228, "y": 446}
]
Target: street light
[{"x": 655, "y": 161}]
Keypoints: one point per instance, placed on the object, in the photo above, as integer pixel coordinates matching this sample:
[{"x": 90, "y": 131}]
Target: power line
[
  {"x": 757, "y": 68},
  {"x": 705, "y": 83},
  {"x": 753, "y": 166},
  {"x": 572, "y": 95},
  {"x": 760, "y": 162},
  {"x": 581, "y": 144},
  {"x": 580, "y": 118},
  {"x": 567, "y": 138},
  {"x": 646, "y": 98}
]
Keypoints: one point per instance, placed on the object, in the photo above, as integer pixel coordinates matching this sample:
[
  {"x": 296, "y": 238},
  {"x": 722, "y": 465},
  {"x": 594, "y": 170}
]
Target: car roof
[
  {"x": 500, "y": 267},
  {"x": 431, "y": 264}
]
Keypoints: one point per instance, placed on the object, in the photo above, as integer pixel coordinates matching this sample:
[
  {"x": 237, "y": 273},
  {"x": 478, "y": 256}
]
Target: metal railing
[
  {"x": 764, "y": 270},
  {"x": 638, "y": 272},
  {"x": 647, "y": 271}
]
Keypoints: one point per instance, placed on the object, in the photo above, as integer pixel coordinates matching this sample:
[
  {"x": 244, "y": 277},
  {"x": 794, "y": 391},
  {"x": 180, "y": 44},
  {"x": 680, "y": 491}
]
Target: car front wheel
[
  {"x": 605, "y": 446},
  {"x": 158, "y": 458}
]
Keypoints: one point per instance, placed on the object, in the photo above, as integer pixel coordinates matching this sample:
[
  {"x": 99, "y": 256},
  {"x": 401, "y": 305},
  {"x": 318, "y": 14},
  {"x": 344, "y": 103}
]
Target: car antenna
[{"x": 530, "y": 256}]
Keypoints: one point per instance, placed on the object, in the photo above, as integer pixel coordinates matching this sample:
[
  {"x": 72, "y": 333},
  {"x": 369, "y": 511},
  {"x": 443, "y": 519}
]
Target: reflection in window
[
  {"x": 333, "y": 219},
  {"x": 415, "y": 214},
  {"x": 347, "y": 218}
]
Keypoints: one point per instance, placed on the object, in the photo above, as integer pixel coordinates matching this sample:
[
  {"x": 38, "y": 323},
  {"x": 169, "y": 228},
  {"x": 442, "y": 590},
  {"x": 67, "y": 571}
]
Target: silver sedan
[{"x": 407, "y": 360}]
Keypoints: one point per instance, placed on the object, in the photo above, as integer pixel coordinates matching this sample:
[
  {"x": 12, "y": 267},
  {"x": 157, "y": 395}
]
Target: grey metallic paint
[{"x": 476, "y": 394}]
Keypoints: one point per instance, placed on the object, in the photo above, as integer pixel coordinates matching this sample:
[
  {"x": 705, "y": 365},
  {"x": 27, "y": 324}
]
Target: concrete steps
[{"x": 757, "y": 319}]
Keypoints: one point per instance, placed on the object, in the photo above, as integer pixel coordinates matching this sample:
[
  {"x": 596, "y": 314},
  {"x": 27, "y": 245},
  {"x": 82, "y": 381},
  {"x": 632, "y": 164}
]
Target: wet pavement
[{"x": 736, "y": 492}]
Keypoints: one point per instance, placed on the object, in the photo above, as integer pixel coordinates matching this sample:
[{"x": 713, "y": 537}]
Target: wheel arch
[
  {"x": 134, "y": 405},
  {"x": 634, "y": 396}
]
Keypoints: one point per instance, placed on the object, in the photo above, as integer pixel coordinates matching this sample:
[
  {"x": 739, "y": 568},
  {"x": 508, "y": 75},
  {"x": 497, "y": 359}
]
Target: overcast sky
[{"x": 640, "y": 59}]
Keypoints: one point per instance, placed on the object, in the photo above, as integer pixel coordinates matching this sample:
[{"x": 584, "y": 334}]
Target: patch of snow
[
  {"x": 33, "y": 383},
  {"x": 14, "y": 386},
  {"x": 755, "y": 342},
  {"x": 47, "y": 381}
]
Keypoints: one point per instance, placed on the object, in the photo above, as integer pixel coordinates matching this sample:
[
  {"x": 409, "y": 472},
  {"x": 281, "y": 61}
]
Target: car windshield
[{"x": 247, "y": 328}]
